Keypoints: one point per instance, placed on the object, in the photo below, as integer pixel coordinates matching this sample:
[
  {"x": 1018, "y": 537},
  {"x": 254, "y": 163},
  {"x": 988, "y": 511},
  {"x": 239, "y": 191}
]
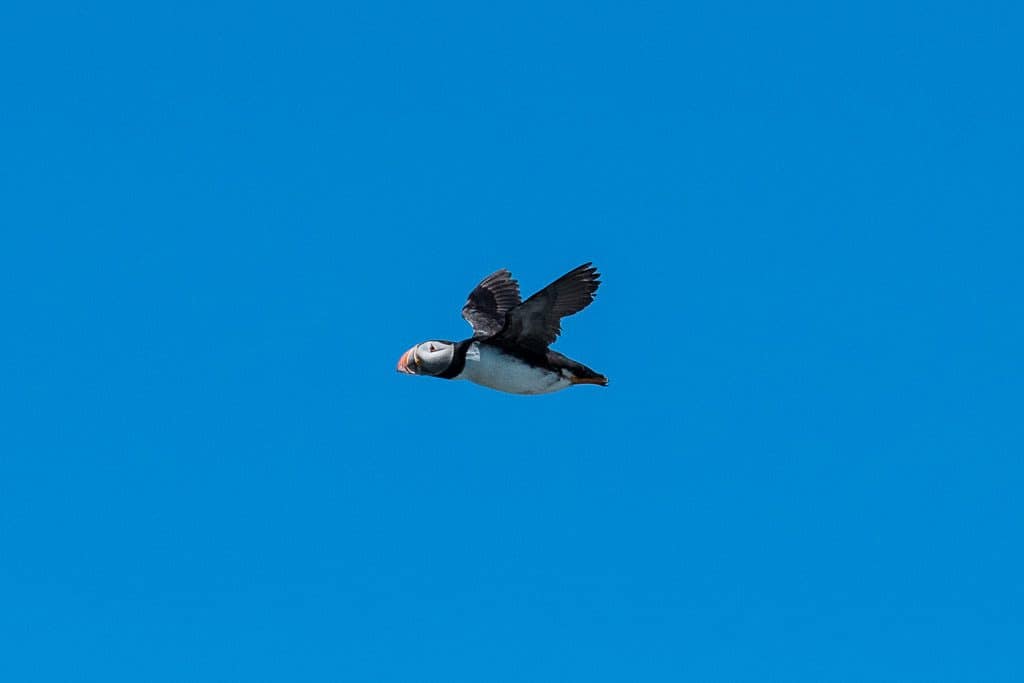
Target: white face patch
[
  {"x": 433, "y": 357},
  {"x": 473, "y": 352}
]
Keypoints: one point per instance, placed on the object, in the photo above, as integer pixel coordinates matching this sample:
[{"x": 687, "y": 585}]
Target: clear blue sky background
[{"x": 222, "y": 223}]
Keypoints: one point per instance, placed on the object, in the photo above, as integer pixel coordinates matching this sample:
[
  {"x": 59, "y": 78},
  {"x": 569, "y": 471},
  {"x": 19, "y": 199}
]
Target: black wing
[
  {"x": 485, "y": 310},
  {"x": 535, "y": 323}
]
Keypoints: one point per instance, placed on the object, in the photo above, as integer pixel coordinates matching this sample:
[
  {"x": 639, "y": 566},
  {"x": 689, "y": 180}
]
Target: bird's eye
[{"x": 433, "y": 348}]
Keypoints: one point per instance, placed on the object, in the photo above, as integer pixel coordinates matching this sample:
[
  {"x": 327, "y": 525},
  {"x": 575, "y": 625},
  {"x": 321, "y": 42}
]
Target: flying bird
[{"x": 509, "y": 347}]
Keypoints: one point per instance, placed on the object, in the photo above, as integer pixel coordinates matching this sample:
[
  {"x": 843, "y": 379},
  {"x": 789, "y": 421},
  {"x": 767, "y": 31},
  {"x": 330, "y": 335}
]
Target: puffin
[{"x": 509, "y": 347}]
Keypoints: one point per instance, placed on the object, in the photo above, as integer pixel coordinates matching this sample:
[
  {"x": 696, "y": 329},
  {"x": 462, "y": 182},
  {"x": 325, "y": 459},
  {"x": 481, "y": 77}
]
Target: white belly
[{"x": 488, "y": 366}]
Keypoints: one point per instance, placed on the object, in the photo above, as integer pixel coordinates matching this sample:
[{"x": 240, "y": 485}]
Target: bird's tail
[
  {"x": 597, "y": 379},
  {"x": 584, "y": 375}
]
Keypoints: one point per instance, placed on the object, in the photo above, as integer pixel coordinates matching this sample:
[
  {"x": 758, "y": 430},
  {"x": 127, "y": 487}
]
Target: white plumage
[{"x": 490, "y": 367}]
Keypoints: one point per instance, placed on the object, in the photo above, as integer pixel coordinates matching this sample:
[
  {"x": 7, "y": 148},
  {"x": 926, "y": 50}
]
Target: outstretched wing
[
  {"x": 485, "y": 310},
  {"x": 536, "y": 323}
]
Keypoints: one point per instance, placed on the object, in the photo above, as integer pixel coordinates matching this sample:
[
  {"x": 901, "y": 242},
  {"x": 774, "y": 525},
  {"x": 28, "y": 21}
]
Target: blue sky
[{"x": 222, "y": 224}]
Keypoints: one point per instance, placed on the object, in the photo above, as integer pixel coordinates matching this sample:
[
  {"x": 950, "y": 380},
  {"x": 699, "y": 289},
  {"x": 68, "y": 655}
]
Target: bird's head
[{"x": 428, "y": 358}]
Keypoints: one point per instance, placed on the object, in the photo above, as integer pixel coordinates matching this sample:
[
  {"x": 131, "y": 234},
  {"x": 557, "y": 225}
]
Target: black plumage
[
  {"x": 527, "y": 329},
  {"x": 485, "y": 310},
  {"x": 536, "y": 323}
]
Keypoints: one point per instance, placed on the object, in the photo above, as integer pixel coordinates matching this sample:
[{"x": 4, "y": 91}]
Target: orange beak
[{"x": 404, "y": 361}]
